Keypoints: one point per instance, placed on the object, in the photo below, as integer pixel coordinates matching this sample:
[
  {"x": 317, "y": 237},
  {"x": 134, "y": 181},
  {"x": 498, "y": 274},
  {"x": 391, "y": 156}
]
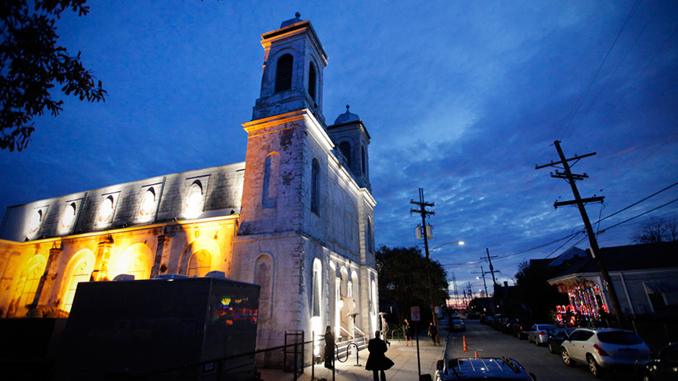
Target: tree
[
  {"x": 31, "y": 63},
  {"x": 403, "y": 280},
  {"x": 537, "y": 297},
  {"x": 655, "y": 230}
]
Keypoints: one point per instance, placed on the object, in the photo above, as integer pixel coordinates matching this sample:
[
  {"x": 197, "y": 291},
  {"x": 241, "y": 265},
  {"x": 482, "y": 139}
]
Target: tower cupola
[
  {"x": 349, "y": 135},
  {"x": 292, "y": 78}
]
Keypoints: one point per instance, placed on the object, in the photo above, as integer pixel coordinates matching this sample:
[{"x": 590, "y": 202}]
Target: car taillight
[
  {"x": 542, "y": 332},
  {"x": 600, "y": 350}
]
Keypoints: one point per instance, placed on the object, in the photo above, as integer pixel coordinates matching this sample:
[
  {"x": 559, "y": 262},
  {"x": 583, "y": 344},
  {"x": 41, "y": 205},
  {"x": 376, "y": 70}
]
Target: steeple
[
  {"x": 292, "y": 79},
  {"x": 349, "y": 135}
]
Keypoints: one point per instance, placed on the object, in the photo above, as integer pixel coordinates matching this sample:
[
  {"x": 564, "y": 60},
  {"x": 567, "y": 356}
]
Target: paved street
[
  {"x": 479, "y": 338},
  {"x": 538, "y": 360}
]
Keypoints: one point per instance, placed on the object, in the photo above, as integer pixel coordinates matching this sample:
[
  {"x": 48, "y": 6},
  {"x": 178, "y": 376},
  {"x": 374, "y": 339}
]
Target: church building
[{"x": 296, "y": 217}]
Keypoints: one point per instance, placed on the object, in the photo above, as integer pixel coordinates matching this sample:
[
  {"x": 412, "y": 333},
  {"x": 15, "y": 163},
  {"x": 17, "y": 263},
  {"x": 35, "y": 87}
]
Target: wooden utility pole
[
  {"x": 595, "y": 250},
  {"x": 492, "y": 271},
  {"x": 423, "y": 212}
]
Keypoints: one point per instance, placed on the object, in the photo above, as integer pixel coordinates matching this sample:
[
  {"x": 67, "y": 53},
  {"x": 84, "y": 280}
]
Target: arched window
[
  {"x": 137, "y": 260},
  {"x": 283, "y": 73},
  {"x": 369, "y": 240},
  {"x": 147, "y": 204},
  {"x": 69, "y": 216},
  {"x": 82, "y": 271},
  {"x": 311, "y": 81},
  {"x": 36, "y": 221},
  {"x": 315, "y": 186},
  {"x": 79, "y": 270},
  {"x": 345, "y": 148},
  {"x": 362, "y": 161},
  {"x": 199, "y": 264},
  {"x": 269, "y": 197},
  {"x": 317, "y": 287},
  {"x": 106, "y": 210},
  {"x": 263, "y": 276},
  {"x": 194, "y": 200}
]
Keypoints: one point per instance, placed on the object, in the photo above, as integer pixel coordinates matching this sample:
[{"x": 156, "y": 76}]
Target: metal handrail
[{"x": 347, "y": 332}]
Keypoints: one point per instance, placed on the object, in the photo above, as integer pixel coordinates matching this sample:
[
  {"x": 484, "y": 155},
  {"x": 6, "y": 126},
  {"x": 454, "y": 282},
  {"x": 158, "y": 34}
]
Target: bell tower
[
  {"x": 292, "y": 79},
  {"x": 349, "y": 135}
]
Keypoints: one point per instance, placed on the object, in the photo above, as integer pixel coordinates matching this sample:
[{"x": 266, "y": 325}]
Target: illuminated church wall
[{"x": 182, "y": 223}]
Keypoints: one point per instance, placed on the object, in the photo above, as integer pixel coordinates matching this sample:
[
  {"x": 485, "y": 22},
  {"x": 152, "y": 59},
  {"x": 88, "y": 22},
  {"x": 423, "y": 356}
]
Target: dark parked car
[
  {"x": 487, "y": 320},
  {"x": 507, "y": 325},
  {"x": 521, "y": 326},
  {"x": 557, "y": 338},
  {"x": 663, "y": 367},
  {"x": 498, "y": 322},
  {"x": 456, "y": 324},
  {"x": 485, "y": 368}
]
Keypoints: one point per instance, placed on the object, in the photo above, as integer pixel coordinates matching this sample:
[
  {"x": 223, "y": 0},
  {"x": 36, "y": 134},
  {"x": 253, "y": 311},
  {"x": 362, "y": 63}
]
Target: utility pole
[
  {"x": 595, "y": 250},
  {"x": 423, "y": 212},
  {"x": 482, "y": 273},
  {"x": 456, "y": 291},
  {"x": 489, "y": 259}
]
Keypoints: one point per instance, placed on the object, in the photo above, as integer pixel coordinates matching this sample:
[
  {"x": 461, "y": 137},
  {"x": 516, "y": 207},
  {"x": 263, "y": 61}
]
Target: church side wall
[{"x": 51, "y": 268}]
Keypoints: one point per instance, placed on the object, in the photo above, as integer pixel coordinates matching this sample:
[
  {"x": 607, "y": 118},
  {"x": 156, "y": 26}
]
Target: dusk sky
[{"x": 461, "y": 98}]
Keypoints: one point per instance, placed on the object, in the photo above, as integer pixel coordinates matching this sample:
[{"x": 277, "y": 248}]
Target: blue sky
[{"x": 461, "y": 98}]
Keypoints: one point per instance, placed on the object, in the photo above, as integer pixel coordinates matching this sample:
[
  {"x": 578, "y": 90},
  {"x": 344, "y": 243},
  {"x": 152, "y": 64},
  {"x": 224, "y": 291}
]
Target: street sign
[{"x": 414, "y": 314}]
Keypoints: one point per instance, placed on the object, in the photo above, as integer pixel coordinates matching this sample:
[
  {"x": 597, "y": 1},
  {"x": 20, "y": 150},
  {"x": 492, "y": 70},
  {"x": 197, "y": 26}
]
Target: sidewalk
[{"x": 404, "y": 357}]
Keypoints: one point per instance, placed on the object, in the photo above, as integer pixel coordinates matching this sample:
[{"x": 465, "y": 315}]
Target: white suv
[{"x": 603, "y": 348}]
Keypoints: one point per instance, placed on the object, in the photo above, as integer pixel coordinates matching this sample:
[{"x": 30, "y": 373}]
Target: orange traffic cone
[
  {"x": 465, "y": 347},
  {"x": 476, "y": 354}
]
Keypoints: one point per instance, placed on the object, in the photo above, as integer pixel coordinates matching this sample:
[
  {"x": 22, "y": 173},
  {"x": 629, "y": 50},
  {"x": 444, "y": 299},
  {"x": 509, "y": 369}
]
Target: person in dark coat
[
  {"x": 384, "y": 330},
  {"x": 408, "y": 333},
  {"x": 377, "y": 361},
  {"x": 433, "y": 332},
  {"x": 329, "y": 348}
]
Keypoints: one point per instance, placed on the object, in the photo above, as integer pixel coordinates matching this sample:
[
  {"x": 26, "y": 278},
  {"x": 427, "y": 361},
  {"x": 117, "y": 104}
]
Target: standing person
[
  {"x": 408, "y": 333},
  {"x": 384, "y": 330},
  {"x": 377, "y": 361},
  {"x": 329, "y": 348},
  {"x": 433, "y": 332}
]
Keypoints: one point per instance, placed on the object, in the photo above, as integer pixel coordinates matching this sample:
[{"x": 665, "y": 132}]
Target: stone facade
[{"x": 296, "y": 217}]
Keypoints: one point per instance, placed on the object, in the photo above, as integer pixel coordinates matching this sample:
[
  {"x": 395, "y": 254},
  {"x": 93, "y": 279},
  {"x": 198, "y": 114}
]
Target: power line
[
  {"x": 571, "y": 236},
  {"x": 638, "y": 202},
  {"x": 600, "y": 67}
]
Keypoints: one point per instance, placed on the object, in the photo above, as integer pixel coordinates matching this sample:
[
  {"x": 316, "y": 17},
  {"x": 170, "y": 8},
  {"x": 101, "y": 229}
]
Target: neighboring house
[
  {"x": 645, "y": 278},
  {"x": 296, "y": 217}
]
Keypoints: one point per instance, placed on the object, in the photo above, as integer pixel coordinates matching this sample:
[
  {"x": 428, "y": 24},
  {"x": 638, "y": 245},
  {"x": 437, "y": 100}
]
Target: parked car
[
  {"x": 456, "y": 324},
  {"x": 603, "y": 349},
  {"x": 557, "y": 338},
  {"x": 502, "y": 368},
  {"x": 507, "y": 324},
  {"x": 487, "y": 319},
  {"x": 498, "y": 322},
  {"x": 539, "y": 333},
  {"x": 663, "y": 367},
  {"x": 520, "y": 327}
]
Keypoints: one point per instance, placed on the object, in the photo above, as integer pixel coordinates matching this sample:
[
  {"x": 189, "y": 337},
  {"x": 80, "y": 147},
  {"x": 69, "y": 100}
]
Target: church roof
[
  {"x": 347, "y": 117},
  {"x": 220, "y": 195}
]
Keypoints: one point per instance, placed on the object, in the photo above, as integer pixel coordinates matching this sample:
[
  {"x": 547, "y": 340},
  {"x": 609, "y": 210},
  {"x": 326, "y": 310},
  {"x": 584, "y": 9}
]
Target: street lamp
[{"x": 449, "y": 243}]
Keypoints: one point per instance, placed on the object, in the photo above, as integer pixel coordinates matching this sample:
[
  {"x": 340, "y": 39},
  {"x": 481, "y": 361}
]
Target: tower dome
[
  {"x": 346, "y": 117},
  {"x": 289, "y": 22}
]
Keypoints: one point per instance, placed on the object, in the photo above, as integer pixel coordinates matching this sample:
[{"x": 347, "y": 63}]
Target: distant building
[
  {"x": 296, "y": 217},
  {"x": 645, "y": 278}
]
